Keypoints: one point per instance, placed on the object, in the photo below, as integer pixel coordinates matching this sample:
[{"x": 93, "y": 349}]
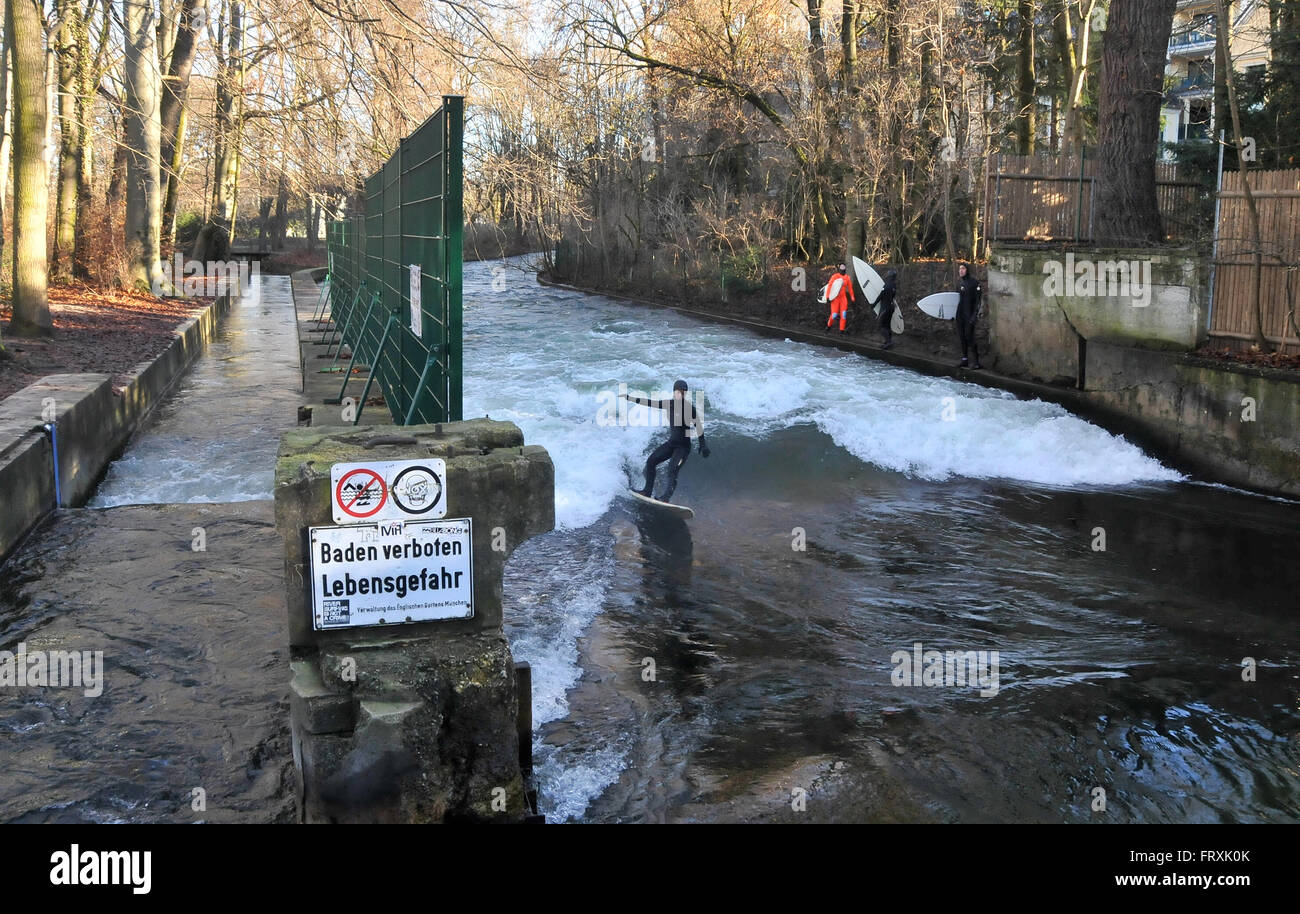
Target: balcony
[
  {"x": 1194, "y": 36},
  {"x": 1201, "y": 83}
]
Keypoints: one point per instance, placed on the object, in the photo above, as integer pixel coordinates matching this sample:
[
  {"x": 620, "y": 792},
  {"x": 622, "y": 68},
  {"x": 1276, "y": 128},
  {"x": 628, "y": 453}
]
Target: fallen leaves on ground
[
  {"x": 1255, "y": 357},
  {"x": 107, "y": 331}
]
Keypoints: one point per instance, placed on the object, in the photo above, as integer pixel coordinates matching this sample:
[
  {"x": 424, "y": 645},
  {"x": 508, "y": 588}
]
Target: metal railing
[{"x": 395, "y": 270}]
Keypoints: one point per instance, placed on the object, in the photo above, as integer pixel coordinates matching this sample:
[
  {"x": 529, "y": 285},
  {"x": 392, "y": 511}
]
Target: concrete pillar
[{"x": 411, "y": 722}]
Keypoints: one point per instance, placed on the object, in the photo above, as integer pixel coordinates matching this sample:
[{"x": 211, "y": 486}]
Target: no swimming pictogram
[
  {"x": 389, "y": 490},
  {"x": 360, "y": 493}
]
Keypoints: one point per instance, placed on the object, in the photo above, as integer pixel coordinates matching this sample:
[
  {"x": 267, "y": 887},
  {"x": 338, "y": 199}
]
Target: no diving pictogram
[{"x": 361, "y": 493}]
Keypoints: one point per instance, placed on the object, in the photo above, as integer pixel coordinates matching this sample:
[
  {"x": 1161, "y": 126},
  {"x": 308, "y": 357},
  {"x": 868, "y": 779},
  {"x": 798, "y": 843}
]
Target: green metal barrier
[{"x": 413, "y": 222}]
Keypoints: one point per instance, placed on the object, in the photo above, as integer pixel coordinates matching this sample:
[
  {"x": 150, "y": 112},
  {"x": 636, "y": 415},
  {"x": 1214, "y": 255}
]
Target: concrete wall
[
  {"x": 1042, "y": 302},
  {"x": 93, "y": 425},
  {"x": 1134, "y": 366},
  {"x": 1240, "y": 426}
]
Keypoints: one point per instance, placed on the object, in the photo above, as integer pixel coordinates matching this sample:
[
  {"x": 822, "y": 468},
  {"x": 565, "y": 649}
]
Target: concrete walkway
[{"x": 324, "y": 365}]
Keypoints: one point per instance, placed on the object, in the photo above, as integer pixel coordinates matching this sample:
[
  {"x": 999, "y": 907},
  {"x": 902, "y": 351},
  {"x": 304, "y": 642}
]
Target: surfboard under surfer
[{"x": 682, "y": 415}]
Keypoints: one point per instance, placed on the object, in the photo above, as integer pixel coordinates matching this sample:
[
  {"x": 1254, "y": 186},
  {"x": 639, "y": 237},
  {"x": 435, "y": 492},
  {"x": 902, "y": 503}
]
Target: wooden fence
[
  {"x": 1053, "y": 198},
  {"x": 1232, "y": 320}
]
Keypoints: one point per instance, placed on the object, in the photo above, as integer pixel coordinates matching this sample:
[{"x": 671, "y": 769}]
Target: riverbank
[
  {"x": 1184, "y": 409},
  {"x": 92, "y": 417},
  {"x": 106, "y": 331}
]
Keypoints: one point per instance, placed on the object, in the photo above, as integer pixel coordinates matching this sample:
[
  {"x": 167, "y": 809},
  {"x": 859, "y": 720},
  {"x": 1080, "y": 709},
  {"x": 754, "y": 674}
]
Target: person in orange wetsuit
[{"x": 840, "y": 303}]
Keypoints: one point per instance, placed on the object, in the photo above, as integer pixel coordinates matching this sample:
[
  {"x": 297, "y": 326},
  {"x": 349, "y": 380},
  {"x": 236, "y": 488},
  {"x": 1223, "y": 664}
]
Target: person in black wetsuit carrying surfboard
[
  {"x": 682, "y": 415},
  {"x": 969, "y": 306}
]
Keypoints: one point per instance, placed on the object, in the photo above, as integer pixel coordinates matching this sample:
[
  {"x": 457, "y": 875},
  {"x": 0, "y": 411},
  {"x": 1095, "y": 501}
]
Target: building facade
[{"x": 1188, "y": 113}]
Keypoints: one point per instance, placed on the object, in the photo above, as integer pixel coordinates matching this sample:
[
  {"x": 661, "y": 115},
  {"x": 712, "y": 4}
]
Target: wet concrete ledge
[
  {"x": 93, "y": 423},
  {"x": 324, "y": 361},
  {"x": 1184, "y": 410}
]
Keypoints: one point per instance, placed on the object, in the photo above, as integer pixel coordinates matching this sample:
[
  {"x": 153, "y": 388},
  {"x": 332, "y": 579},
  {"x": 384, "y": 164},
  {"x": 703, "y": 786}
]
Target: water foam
[{"x": 561, "y": 358}]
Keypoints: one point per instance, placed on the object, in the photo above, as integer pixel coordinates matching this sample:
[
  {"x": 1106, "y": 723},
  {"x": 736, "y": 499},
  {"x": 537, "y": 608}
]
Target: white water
[
  {"x": 215, "y": 438},
  {"x": 544, "y": 362}
]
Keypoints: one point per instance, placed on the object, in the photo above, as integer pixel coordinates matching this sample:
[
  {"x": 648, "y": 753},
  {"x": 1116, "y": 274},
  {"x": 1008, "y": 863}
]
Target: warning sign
[
  {"x": 389, "y": 490},
  {"x": 417, "y": 323},
  {"x": 391, "y": 573}
]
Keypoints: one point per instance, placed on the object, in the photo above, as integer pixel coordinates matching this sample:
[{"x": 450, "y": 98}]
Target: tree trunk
[
  {"x": 6, "y": 129},
  {"x": 87, "y": 80},
  {"x": 817, "y": 51},
  {"x": 280, "y": 222},
  {"x": 174, "y": 116},
  {"x": 31, "y": 307},
  {"x": 213, "y": 242},
  {"x": 313, "y": 218},
  {"x": 65, "y": 220},
  {"x": 1026, "y": 82},
  {"x": 263, "y": 221},
  {"x": 116, "y": 191},
  {"x": 1132, "y": 81},
  {"x": 142, "y": 135},
  {"x": 1079, "y": 42}
]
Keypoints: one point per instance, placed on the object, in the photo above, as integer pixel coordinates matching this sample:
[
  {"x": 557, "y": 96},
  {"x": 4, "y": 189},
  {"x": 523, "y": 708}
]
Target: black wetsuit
[
  {"x": 678, "y": 446},
  {"x": 886, "y": 302},
  {"x": 968, "y": 309}
]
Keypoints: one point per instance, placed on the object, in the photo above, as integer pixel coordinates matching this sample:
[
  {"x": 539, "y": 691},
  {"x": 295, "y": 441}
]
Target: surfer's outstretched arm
[{"x": 646, "y": 401}]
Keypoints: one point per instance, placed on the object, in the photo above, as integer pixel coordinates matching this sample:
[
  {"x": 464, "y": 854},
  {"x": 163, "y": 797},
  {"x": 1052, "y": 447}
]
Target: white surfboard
[
  {"x": 831, "y": 291},
  {"x": 870, "y": 281},
  {"x": 896, "y": 322},
  {"x": 676, "y": 510},
  {"x": 942, "y": 305}
]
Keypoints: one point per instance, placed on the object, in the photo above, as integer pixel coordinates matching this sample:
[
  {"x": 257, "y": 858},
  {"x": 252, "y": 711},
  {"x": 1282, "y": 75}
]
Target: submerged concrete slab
[{"x": 190, "y": 724}]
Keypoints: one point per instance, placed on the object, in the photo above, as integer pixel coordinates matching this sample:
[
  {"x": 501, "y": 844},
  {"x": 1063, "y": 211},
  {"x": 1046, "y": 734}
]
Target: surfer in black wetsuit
[
  {"x": 886, "y": 302},
  {"x": 682, "y": 415},
  {"x": 968, "y": 311}
]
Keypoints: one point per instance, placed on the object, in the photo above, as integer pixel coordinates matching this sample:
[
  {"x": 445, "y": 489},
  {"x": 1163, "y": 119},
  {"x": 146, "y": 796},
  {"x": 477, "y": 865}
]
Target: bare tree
[
  {"x": 67, "y": 38},
  {"x": 174, "y": 114},
  {"x": 1074, "y": 28},
  {"x": 213, "y": 242},
  {"x": 142, "y": 136},
  {"x": 31, "y": 307}
]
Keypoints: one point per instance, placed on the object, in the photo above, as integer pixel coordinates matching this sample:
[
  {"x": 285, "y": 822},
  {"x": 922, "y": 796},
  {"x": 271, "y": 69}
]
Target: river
[{"x": 748, "y": 664}]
